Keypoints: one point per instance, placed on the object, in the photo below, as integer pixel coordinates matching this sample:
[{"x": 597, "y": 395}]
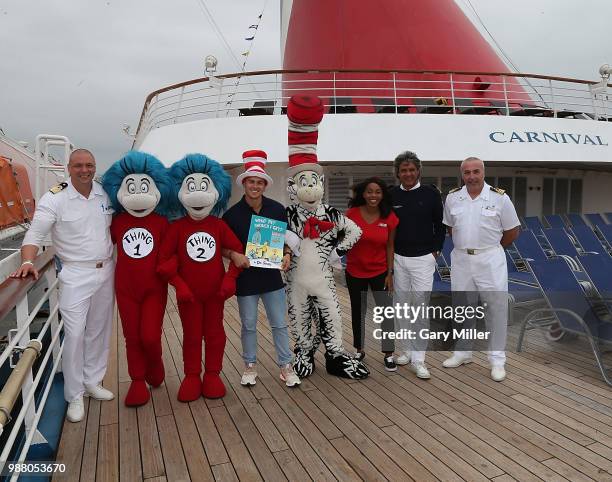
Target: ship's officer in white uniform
[
  {"x": 78, "y": 214},
  {"x": 482, "y": 221}
]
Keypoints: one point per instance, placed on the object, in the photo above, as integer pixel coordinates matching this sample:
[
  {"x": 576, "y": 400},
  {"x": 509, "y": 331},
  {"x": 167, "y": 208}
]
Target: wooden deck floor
[{"x": 550, "y": 419}]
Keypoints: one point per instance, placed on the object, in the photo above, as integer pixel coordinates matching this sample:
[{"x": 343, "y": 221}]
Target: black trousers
[{"x": 358, "y": 293}]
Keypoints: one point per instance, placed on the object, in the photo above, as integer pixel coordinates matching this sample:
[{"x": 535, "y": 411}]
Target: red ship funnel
[{"x": 393, "y": 35}]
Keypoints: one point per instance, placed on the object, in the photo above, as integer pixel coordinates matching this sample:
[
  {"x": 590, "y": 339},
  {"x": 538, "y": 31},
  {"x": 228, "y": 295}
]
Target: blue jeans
[{"x": 275, "y": 303}]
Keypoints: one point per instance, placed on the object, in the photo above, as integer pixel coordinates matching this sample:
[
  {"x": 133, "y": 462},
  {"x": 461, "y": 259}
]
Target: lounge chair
[
  {"x": 555, "y": 221},
  {"x": 528, "y": 247},
  {"x": 587, "y": 239},
  {"x": 534, "y": 223},
  {"x": 576, "y": 219},
  {"x": 568, "y": 306},
  {"x": 596, "y": 219}
]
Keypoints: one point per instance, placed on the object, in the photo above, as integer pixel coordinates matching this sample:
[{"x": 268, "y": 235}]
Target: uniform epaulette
[
  {"x": 455, "y": 189},
  {"x": 498, "y": 190},
  {"x": 59, "y": 187}
]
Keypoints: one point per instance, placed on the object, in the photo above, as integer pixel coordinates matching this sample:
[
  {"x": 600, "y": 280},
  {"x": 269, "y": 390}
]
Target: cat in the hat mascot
[
  {"x": 321, "y": 230},
  {"x": 140, "y": 190},
  {"x": 192, "y": 262}
]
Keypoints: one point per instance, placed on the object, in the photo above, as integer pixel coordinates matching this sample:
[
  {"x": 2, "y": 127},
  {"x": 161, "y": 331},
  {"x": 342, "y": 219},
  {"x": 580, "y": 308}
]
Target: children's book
[{"x": 265, "y": 243}]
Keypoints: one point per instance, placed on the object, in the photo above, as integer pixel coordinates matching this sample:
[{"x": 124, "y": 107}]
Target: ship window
[
  {"x": 561, "y": 195},
  {"x": 548, "y": 189},
  {"x": 575, "y": 203},
  {"x": 520, "y": 195}
]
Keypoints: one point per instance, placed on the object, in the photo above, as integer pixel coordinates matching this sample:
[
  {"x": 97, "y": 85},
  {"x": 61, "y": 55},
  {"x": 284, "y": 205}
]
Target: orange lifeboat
[{"x": 16, "y": 200}]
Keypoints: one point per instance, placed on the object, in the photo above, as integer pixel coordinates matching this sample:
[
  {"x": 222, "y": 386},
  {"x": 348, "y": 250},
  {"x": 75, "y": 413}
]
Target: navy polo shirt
[{"x": 254, "y": 281}]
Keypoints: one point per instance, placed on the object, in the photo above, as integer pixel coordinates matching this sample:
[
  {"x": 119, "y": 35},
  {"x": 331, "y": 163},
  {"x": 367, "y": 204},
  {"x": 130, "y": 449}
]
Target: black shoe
[
  {"x": 343, "y": 365},
  {"x": 390, "y": 365}
]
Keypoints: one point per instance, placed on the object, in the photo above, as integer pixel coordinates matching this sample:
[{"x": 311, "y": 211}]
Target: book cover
[{"x": 264, "y": 246}]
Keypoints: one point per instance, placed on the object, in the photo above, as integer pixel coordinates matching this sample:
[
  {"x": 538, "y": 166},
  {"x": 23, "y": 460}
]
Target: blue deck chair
[
  {"x": 534, "y": 223},
  {"x": 555, "y": 220},
  {"x": 528, "y": 247},
  {"x": 517, "y": 276},
  {"x": 587, "y": 239},
  {"x": 609, "y": 217},
  {"x": 596, "y": 220},
  {"x": 576, "y": 219},
  {"x": 560, "y": 242},
  {"x": 598, "y": 268},
  {"x": 606, "y": 233},
  {"x": 440, "y": 285},
  {"x": 568, "y": 306}
]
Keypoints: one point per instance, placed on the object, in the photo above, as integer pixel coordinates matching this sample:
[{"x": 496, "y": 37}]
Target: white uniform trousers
[
  {"x": 412, "y": 284},
  {"x": 487, "y": 274},
  {"x": 86, "y": 301}
]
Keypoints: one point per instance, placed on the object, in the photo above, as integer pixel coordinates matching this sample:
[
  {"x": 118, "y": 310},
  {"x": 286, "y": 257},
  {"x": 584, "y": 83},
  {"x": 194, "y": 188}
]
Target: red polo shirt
[{"x": 368, "y": 258}]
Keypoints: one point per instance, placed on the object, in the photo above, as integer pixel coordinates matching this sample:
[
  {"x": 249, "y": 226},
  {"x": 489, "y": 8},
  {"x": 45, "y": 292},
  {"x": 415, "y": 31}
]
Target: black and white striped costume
[{"x": 311, "y": 288}]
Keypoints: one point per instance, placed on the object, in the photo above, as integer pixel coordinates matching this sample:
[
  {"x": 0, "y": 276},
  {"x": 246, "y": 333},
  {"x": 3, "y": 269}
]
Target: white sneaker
[
  {"x": 456, "y": 361},
  {"x": 498, "y": 373},
  {"x": 404, "y": 358},
  {"x": 421, "y": 370},
  {"x": 76, "y": 410},
  {"x": 249, "y": 377},
  {"x": 288, "y": 376},
  {"x": 98, "y": 392}
]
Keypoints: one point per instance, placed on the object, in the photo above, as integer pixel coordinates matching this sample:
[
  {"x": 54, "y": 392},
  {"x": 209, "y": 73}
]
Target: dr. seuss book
[{"x": 264, "y": 246}]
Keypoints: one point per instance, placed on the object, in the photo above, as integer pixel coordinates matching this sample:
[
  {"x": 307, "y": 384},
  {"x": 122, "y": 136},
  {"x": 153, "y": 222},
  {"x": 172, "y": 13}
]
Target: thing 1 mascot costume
[
  {"x": 322, "y": 231},
  {"x": 139, "y": 189},
  {"x": 192, "y": 263}
]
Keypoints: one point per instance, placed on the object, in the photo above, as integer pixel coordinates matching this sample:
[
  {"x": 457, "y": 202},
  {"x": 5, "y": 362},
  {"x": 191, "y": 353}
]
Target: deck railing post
[
  {"x": 506, "y": 95},
  {"x": 178, "y": 106},
  {"x": 395, "y": 91},
  {"x": 334, "y": 92},
  {"x": 50, "y": 276},
  {"x": 452, "y": 86},
  {"x": 552, "y": 97},
  {"x": 22, "y": 313}
]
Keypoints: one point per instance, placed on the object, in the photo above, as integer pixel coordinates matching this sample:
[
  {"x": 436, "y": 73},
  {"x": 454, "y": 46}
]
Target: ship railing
[
  {"x": 33, "y": 362},
  {"x": 374, "y": 91}
]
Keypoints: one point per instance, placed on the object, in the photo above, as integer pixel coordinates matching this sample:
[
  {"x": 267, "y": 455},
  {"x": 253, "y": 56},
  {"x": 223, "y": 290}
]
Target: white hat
[{"x": 254, "y": 166}]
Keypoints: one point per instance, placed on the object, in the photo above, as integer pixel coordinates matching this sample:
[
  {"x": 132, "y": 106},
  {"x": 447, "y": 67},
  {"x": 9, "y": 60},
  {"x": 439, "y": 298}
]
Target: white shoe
[
  {"x": 288, "y": 376},
  {"x": 98, "y": 392},
  {"x": 456, "y": 361},
  {"x": 498, "y": 373},
  {"x": 404, "y": 358},
  {"x": 249, "y": 377},
  {"x": 76, "y": 410},
  {"x": 421, "y": 370}
]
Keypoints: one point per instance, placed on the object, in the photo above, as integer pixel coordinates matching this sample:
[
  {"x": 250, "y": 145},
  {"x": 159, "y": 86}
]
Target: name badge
[
  {"x": 138, "y": 243},
  {"x": 201, "y": 246}
]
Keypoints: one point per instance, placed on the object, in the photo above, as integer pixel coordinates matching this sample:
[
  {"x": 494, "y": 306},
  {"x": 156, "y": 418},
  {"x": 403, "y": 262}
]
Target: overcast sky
[{"x": 83, "y": 68}]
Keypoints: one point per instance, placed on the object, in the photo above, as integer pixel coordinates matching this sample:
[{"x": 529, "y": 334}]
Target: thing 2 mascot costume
[
  {"x": 139, "y": 189},
  {"x": 192, "y": 262},
  {"x": 320, "y": 229}
]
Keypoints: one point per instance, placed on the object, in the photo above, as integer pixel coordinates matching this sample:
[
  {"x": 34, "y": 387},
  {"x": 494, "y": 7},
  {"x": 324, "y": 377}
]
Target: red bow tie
[{"x": 311, "y": 224}]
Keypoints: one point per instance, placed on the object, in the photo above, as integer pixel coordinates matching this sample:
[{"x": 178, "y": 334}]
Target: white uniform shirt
[
  {"x": 479, "y": 223},
  {"x": 79, "y": 226}
]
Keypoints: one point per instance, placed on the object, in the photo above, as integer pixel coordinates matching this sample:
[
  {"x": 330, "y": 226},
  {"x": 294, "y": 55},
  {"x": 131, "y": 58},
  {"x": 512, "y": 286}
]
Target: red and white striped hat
[
  {"x": 254, "y": 166},
  {"x": 304, "y": 112}
]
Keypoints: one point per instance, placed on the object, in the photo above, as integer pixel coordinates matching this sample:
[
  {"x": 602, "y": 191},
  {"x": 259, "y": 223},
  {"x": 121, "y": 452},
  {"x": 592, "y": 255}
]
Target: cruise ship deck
[{"x": 551, "y": 419}]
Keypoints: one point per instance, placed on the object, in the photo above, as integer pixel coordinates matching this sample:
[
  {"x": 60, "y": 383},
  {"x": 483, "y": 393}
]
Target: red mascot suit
[
  {"x": 193, "y": 264},
  {"x": 140, "y": 189}
]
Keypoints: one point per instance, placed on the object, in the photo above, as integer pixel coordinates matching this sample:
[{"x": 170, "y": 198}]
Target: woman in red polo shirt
[{"x": 369, "y": 263}]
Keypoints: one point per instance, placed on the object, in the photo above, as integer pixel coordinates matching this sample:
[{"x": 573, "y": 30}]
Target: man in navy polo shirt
[{"x": 255, "y": 283}]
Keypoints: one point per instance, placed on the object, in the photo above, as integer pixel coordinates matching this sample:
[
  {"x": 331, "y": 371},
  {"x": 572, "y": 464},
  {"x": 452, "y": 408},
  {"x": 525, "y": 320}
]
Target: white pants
[
  {"x": 412, "y": 284},
  {"x": 487, "y": 274},
  {"x": 86, "y": 301}
]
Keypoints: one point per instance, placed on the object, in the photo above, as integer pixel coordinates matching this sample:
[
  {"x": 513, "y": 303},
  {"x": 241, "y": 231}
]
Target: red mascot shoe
[
  {"x": 190, "y": 388},
  {"x": 138, "y": 394},
  {"x": 156, "y": 374},
  {"x": 212, "y": 386}
]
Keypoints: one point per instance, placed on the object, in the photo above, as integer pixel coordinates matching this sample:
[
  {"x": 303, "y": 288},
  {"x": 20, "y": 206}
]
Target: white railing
[
  {"x": 14, "y": 296},
  {"x": 265, "y": 93}
]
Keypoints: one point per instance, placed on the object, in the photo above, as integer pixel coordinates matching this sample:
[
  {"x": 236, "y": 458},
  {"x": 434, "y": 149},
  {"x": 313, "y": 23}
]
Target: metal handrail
[
  {"x": 22, "y": 381},
  {"x": 209, "y": 98}
]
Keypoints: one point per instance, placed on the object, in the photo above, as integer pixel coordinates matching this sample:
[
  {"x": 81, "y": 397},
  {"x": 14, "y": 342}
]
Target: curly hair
[
  {"x": 136, "y": 162},
  {"x": 199, "y": 163},
  {"x": 406, "y": 156},
  {"x": 359, "y": 200}
]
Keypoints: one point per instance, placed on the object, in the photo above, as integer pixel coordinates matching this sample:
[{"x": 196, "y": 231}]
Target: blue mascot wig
[
  {"x": 199, "y": 163},
  {"x": 135, "y": 162}
]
